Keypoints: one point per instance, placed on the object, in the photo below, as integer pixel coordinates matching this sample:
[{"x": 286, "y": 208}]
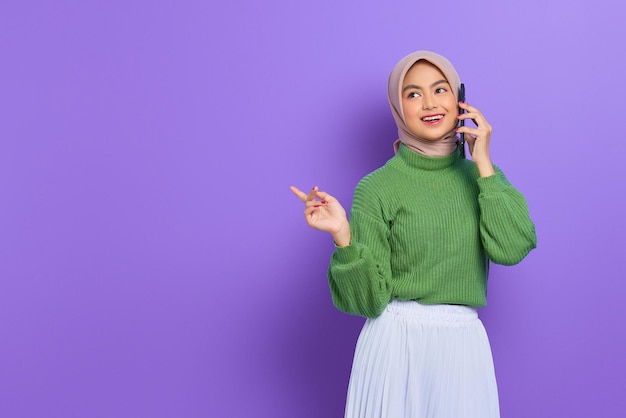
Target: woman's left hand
[{"x": 477, "y": 138}]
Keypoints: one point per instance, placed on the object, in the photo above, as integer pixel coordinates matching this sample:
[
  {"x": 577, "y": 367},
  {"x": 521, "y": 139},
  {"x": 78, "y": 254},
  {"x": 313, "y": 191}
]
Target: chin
[
  {"x": 432, "y": 133},
  {"x": 432, "y": 136}
]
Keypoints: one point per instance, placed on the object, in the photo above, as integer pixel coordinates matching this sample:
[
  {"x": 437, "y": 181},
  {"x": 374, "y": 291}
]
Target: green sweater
[{"x": 424, "y": 229}]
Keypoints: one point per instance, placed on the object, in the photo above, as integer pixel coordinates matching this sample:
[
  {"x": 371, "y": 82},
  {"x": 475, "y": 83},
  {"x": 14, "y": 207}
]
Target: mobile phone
[{"x": 462, "y": 135}]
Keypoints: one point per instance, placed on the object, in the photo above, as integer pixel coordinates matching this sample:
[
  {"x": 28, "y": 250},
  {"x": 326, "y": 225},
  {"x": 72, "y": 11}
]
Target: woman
[{"x": 413, "y": 258}]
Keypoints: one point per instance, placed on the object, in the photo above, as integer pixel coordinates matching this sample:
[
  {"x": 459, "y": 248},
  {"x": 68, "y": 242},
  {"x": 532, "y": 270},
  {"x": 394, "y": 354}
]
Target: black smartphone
[{"x": 462, "y": 135}]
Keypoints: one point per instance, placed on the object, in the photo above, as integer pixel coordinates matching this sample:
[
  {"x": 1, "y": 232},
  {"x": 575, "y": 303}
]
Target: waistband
[{"x": 413, "y": 310}]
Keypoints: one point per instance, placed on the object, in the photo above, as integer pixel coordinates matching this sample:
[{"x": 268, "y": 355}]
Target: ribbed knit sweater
[{"x": 425, "y": 228}]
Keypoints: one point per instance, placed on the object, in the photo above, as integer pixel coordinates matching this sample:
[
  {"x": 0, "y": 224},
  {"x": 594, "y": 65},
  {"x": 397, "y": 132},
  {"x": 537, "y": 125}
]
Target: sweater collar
[{"x": 414, "y": 160}]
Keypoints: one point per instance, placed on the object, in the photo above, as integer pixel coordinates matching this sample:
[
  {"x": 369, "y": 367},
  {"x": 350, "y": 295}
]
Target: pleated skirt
[{"x": 423, "y": 361}]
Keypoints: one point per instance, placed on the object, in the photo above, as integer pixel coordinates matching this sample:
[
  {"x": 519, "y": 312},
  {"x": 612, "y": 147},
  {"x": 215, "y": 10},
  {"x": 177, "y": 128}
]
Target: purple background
[{"x": 154, "y": 263}]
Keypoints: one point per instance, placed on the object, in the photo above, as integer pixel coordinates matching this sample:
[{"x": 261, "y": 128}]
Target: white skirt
[{"x": 423, "y": 361}]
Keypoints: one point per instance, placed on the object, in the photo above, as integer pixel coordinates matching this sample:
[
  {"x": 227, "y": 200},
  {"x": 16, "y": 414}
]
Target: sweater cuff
[
  {"x": 346, "y": 254},
  {"x": 490, "y": 185}
]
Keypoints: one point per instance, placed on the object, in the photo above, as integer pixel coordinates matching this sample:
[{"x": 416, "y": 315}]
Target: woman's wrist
[
  {"x": 343, "y": 236},
  {"x": 485, "y": 167},
  {"x": 486, "y": 171}
]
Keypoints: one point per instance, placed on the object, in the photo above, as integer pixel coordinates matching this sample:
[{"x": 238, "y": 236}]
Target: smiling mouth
[{"x": 432, "y": 118}]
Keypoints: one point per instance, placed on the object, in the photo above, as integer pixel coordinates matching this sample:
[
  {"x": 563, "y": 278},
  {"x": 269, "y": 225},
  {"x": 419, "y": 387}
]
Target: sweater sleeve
[
  {"x": 506, "y": 230},
  {"x": 359, "y": 274}
]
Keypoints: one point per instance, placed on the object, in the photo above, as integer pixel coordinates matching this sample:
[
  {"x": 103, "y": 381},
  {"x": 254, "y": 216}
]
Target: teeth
[{"x": 432, "y": 118}]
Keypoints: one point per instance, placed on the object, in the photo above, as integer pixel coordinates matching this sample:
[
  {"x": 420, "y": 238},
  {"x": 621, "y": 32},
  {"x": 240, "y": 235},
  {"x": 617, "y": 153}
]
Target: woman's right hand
[{"x": 324, "y": 212}]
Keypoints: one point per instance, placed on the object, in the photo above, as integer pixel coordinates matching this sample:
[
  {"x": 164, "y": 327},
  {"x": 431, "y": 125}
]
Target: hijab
[{"x": 438, "y": 148}]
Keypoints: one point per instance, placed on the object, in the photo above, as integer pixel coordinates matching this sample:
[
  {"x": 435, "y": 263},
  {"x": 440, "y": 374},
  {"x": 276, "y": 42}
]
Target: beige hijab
[{"x": 441, "y": 147}]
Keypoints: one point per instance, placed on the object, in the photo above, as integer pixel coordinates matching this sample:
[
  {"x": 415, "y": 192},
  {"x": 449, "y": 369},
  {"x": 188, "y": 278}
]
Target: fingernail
[{"x": 323, "y": 202}]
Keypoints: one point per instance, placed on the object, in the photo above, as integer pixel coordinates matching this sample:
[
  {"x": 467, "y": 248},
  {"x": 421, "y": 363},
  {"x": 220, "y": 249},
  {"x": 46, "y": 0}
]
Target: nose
[{"x": 429, "y": 102}]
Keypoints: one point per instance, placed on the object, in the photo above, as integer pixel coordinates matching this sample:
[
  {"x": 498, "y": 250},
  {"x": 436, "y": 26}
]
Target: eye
[
  {"x": 441, "y": 90},
  {"x": 413, "y": 95}
]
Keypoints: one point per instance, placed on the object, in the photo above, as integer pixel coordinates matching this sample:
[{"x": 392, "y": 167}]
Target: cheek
[
  {"x": 452, "y": 103},
  {"x": 453, "y": 107},
  {"x": 453, "y": 121},
  {"x": 405, "y": 109},
  {"x": 452, "y": 124},
  {"x": 409, "y": 110}
]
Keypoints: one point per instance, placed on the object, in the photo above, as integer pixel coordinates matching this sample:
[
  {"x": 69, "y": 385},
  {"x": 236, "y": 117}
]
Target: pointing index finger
[{"x": 299, "y": 193}]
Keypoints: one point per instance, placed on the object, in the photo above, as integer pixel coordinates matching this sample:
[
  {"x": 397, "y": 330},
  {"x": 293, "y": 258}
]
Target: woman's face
[{"x": 428, "y": 103}]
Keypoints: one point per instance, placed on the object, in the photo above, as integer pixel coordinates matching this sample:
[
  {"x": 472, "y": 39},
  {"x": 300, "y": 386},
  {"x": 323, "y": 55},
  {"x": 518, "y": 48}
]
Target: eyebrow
[{"x": 413, "y": 86}]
